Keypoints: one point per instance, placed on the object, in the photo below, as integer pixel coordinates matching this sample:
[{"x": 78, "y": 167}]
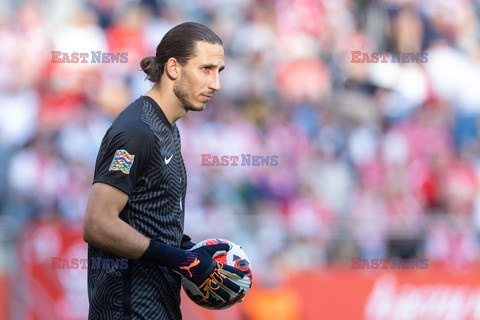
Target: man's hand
[
  {"x": 187, "y": 243},
  {"x": 211, "y": 277},
  {"x": 198, "y": 266}
]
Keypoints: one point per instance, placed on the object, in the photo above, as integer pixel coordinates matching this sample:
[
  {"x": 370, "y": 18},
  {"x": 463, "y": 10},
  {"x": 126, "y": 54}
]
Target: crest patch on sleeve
[{"x": 122, "y": 161}]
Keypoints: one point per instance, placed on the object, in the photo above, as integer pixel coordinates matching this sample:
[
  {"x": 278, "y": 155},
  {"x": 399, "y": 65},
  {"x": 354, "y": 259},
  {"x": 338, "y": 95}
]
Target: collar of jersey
[{"x": 159, "y": 111}]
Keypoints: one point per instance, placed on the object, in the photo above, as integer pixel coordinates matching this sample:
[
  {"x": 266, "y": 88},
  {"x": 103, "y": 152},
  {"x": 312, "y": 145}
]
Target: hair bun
[{"x": 148, "y": 65}]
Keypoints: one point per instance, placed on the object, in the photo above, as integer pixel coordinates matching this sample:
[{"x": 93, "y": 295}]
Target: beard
[{"x": 182, "y": 93}]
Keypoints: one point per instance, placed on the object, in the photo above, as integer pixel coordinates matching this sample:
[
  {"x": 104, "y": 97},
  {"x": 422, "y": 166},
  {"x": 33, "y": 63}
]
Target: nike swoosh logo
[{"x": 167, "y": 161}]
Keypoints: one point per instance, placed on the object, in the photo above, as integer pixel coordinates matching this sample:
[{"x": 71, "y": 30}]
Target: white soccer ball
[{"x": 235, "y": 257}]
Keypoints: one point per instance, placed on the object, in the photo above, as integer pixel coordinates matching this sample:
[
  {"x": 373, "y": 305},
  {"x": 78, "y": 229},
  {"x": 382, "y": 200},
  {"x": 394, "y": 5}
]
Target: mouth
[{"x": 207, "y": 97}]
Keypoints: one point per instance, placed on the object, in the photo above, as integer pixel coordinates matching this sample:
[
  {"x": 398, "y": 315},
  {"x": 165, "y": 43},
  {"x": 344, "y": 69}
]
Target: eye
[{"x": 206, "y": 68}]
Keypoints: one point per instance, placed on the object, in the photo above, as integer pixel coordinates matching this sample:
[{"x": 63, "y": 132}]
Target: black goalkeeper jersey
[{"x": 140, "y": 155}]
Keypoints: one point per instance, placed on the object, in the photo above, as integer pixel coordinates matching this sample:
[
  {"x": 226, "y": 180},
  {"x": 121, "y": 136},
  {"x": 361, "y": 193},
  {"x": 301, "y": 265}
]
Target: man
[{"x": 137, "y": 202}]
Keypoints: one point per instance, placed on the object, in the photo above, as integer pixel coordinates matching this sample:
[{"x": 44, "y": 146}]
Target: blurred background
[{"x": 378, "y": 160}]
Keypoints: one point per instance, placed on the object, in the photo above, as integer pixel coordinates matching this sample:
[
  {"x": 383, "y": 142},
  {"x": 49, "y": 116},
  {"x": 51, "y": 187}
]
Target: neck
[{"x": 168, "y": 102}]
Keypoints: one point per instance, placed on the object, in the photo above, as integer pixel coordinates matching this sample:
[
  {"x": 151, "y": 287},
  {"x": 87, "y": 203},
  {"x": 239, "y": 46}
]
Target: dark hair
[{"x": 178, "y": 43}]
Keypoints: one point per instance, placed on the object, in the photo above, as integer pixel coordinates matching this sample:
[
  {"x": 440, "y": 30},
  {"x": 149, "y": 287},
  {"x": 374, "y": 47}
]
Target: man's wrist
[{"x": 164, "y": 254}]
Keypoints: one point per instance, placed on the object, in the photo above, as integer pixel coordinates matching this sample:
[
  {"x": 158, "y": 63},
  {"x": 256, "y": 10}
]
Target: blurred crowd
[{"x": 375, "y": 160}]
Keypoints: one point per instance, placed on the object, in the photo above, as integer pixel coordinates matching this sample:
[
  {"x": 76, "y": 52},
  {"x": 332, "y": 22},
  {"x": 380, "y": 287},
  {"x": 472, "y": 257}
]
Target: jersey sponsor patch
[{"x": 122, "y": 161}]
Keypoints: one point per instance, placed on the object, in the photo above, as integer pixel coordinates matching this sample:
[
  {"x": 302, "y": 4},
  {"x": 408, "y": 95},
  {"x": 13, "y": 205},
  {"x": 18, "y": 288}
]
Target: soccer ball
[{"x": 235, "y": 257}]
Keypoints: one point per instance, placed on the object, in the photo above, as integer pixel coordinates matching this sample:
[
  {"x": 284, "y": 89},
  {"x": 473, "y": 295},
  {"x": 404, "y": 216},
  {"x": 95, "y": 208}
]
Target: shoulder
[{"x": 130, "y": 125}]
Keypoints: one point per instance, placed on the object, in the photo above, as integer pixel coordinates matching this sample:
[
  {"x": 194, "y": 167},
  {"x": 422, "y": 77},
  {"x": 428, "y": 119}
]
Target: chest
[{"x": 167, "y": 170}]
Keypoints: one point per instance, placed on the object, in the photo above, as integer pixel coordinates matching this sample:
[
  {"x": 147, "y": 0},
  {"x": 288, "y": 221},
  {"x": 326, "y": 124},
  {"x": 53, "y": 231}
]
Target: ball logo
[{"x": 243, "y": 265}]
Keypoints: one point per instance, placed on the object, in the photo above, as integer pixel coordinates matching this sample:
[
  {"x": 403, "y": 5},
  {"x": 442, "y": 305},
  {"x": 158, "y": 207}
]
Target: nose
[{"x": 214, "y": 83}]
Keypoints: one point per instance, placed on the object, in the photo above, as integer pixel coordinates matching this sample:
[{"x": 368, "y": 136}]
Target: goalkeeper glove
[
  {"x": 197, "y": 266},
  {"x": 187, "y": 243}
]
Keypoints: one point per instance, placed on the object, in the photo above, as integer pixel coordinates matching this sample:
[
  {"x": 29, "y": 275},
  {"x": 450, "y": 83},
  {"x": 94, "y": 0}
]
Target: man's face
[{"x": 199, "y": 77}]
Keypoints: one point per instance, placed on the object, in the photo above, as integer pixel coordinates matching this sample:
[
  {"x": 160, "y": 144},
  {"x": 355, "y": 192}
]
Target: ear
[{"x": 172, "y": 68}]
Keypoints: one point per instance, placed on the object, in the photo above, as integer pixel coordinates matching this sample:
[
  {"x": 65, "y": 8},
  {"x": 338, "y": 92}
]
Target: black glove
[
  {"x": 187, "y": 243},
  {"x": 197, "y": 266}
]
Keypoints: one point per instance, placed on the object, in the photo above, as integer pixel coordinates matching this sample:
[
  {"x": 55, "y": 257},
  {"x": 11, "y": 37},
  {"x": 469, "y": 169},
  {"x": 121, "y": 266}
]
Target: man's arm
[{"x": 103, "y": 228}]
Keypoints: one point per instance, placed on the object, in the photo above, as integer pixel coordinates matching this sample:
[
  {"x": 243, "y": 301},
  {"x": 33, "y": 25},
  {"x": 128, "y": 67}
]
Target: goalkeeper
[{"x": 137, "y": 202}]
